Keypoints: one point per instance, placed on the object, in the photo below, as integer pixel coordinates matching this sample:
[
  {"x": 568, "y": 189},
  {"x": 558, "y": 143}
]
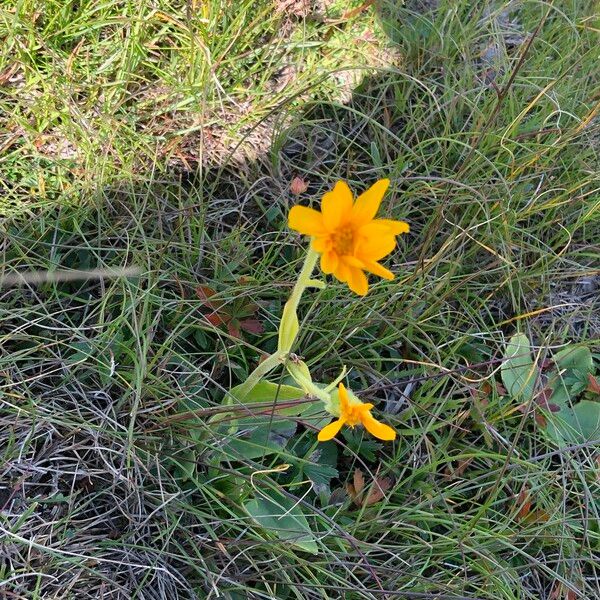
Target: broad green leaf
[
  {"x": 575, "y": 422},
  {"x": 255, "y": 437},
  {"x": 575, "y": 364},
  {"x": 282, "y": 517},
  {"x": 518, "y": 371},
  {"x": 575, "y": 358},
  {"x": 587, "y": 415},
  {"x": 576, "y": 425},
  {"x": 266, "y": 391},
  {"x": 320, "y": 467}
]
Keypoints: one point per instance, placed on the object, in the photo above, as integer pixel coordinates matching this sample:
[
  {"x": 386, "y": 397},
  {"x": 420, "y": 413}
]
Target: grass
[{"x": 164, "y": 136}]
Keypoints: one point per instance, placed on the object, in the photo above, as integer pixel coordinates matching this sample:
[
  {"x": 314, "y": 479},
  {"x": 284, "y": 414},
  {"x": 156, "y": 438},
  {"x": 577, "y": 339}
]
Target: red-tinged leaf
[
  {"x": 252, "y": 326},
  {"x": 215, "y": 319},
  {"x": 247, "y": 310},
  {"x": 540, "y": 419},
  {"x": 500, "y": 389},
  {"x": 593, "y": 384},
  {"x": 204, "y": 293},
  {"x": 554, "y": 408},
  {"x": 298, "y": 186},
  {"x": 233, "y": 328},
  {"x": 542, "y": 399}
]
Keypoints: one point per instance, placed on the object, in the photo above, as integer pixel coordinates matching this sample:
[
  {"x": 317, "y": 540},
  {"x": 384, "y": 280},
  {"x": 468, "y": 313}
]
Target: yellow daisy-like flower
[
  {"x": 347, "y": 235},
  {"x": 352, "y": 413}
]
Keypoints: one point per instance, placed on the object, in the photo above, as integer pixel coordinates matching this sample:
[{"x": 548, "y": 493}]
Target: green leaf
[
  {"x": 256, "y": 437},
  {"x": 576, "y": 358},
  {"x": 579, "y": 422},
  {"x": 321, "y": 465},
  {"x": 575, "y": 364},
  {"x": 320, "y": 474},
  {"x": 288, "y": 328},
  {"x": 576, "y": 425},
  {"x": 267, "y": 391},
  {"x": 283, "y": 518},
  {"x": 518, "y": 371}
]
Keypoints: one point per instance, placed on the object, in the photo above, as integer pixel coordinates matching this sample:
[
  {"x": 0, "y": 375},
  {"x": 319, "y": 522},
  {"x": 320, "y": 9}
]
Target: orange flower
[
  {"x": 353, "y": 412},
  {"x": 348, "y": 236}
]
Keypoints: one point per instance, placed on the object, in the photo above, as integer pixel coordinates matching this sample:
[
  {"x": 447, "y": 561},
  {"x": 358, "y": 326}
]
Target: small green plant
[{"x": 563, "y": 396}]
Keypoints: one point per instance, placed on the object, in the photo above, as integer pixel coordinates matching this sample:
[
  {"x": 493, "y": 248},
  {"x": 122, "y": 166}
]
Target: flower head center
[
  {"x": 343, "y": 241},
  {"x": 353, "y": 415}
]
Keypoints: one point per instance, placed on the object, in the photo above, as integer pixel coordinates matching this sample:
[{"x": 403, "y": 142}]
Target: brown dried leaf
[
  {"x": 352, "y": 493},
  {"x": 8, "y": 73},
  {"x": 204, "y": 292},
  {"x": 378, "y": 490},
  {"x": 359, "y": 481}
]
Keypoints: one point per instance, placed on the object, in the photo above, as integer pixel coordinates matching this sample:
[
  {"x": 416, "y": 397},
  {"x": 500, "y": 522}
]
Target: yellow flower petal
[
  {"x": 330, "y": 431},
  {"x": 336, "y": 205},
  {"x": 352, "y": 261},
  {"x": 344, "y": 398},
  {"x": 342, "y": 273},
  {"x": 357, "y": 282},
  {"x": 394, "y": 227},
  {"x": 375, "y": 249},
  {"x": 306, "y": 221},
  {"x": 379, "y": 270},
  {"x": 377, "y": 429},
  {"x": 367, "y": 204},
  {"x": 320, "y": 244},
  {"x": 374, "y": 229},
  {"x": 329, "y": 262}
]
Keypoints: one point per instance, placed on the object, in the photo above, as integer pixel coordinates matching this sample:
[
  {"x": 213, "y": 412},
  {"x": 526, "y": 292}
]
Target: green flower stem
[
  {"x": 304, "y": 279},
  {"x": 322, "y": 395},
  {"x": 288, "y": 328},
  {"x": 290, "y": 312},
  {"x": 266, "y": 366}
]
